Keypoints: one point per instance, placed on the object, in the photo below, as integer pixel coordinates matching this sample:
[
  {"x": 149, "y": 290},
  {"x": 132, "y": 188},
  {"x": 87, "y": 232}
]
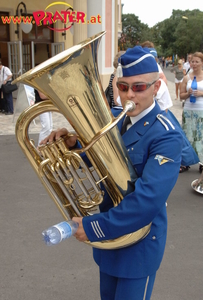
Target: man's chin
[{"x": 133, "y": 113}]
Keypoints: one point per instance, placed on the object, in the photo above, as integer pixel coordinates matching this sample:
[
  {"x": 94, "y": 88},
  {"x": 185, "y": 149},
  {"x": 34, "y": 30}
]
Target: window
[
  {"x": 39, "y": 34},
  {"x": 4, "y": 28}
]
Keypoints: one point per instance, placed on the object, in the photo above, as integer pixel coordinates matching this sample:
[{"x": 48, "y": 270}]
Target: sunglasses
[{"x": 135, "y": 87}]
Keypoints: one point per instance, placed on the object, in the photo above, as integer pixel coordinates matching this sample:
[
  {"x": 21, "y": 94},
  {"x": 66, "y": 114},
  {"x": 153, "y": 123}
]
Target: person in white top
[
  {"x": 6, "y": 100},
  {"x": 45, "y": 118},
  {"x": 193, "y": 112},
  {"x": 163, "y": 96},
  {"x": 186, "y": 65}
]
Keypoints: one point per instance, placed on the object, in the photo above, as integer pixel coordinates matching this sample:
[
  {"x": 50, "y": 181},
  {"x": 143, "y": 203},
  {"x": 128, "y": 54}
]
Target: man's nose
[{"x": 130, "y": 93}]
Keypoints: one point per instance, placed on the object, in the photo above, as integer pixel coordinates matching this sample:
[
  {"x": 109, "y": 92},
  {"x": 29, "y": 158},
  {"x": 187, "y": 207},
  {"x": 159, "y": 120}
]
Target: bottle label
[{"x": 64, "y": 229}]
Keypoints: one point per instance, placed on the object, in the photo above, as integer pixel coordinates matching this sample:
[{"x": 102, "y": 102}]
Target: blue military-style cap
[
  {"x": 136, "y": 61},
  {"x": 153, "y": 51}
]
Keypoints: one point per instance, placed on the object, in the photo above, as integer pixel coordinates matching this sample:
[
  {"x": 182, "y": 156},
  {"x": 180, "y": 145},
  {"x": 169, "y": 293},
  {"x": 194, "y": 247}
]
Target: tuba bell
[
  {"x": 197, "y": 184},
  {"x": 72, "y": 83}
]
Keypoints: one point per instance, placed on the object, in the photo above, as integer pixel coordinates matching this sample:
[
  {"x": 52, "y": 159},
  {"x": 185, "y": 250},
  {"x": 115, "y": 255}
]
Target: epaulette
[{"x": 162, "y": 118}]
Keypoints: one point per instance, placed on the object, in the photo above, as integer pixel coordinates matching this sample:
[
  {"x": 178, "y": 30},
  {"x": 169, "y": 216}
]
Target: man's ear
[{"x": 157, "y": 86}]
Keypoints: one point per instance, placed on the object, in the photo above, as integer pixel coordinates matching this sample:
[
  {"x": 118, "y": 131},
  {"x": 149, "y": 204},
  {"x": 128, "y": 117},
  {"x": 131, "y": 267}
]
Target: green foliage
[
  {"x": 182, "y": 33},
  {"x": 175, "y": 35},
  {"x": 134, "y": 32}
]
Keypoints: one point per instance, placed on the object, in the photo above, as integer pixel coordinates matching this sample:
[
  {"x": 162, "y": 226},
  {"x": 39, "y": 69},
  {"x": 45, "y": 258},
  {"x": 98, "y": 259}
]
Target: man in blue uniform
[{"x": 154, "y": 146}]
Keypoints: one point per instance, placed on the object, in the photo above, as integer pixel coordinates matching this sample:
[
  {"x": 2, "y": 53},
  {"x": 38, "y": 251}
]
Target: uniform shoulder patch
[{"x": 162, "y": 159}]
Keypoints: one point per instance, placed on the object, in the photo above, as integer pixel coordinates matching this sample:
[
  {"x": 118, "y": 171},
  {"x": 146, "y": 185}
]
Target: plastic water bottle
[
  {"x": 193, "y": 87},
  {"x": 59, "y": 232}
]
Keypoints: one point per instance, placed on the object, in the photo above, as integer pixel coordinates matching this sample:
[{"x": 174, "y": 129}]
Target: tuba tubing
[{"x": 72, "y": 83}]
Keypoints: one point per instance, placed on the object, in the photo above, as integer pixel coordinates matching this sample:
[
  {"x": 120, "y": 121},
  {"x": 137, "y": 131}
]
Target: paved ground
[{"x": 32, "y": 271}]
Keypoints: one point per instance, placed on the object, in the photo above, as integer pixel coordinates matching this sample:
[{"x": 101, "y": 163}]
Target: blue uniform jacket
[
  {"x": 189, "y": 156},
  {"x": 154, "y": 147}
]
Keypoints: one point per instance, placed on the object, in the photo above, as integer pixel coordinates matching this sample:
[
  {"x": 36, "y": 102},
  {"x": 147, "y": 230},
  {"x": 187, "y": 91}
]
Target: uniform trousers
[
  {"x": 114, "y": 288},
  {"x": 47, "y": 125}
]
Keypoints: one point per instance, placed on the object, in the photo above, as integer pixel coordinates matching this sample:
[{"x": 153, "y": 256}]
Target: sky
[{"x": 152, "y": 12}]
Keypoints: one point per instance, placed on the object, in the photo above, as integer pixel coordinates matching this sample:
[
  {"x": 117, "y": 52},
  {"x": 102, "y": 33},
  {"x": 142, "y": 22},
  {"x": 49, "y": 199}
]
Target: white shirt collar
[{"x": 142, "y": 114}]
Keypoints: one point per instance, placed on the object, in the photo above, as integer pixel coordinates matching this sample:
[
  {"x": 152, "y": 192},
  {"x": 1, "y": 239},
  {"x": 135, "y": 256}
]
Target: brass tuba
[{"x": 72, "y": 83}]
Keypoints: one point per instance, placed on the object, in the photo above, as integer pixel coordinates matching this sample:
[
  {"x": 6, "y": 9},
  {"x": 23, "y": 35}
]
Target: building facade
[{"x": 25, "y": 43}]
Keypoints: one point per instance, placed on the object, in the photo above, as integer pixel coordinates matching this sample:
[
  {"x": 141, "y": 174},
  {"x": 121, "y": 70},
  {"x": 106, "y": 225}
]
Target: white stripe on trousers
[{"x": 146, "y": 286}]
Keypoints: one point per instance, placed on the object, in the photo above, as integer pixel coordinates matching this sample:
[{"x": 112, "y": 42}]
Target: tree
[
  {"x": 175, "y": 35},
  {"x": 180, "y": 35},
  {"x": 133, "y": 32},
  {"x": 189, "y": 34}
]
